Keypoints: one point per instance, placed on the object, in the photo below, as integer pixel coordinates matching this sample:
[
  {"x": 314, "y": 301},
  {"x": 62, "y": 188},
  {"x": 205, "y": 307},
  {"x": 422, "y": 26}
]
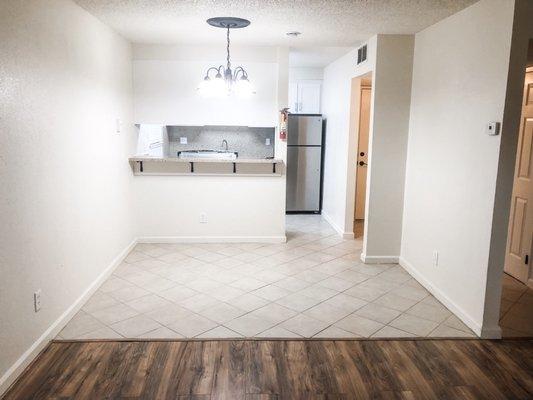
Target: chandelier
[{"x": 220, "y": 81}]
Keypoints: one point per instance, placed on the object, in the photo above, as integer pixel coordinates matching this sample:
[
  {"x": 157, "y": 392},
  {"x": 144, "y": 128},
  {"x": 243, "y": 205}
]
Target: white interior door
[
  {"x": 309, "y": 97},
  {"x": 520, "y": 235}
]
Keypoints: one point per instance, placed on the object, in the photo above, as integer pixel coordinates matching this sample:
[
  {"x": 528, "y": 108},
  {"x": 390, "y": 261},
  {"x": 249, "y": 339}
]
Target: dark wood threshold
[{"x": 280, "y": 369}]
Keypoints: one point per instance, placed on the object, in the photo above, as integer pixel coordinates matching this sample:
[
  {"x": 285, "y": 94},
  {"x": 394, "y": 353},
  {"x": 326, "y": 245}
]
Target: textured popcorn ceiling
[{"x": 322, "y": 22}]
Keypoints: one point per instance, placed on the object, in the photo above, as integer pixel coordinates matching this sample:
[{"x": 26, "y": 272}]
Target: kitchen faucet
[{"x": 225, "y": 142}]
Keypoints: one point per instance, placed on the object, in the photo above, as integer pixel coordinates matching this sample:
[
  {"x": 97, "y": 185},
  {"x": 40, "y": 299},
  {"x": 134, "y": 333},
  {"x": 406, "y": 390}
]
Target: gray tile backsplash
[{"x": 248, "y": 142}]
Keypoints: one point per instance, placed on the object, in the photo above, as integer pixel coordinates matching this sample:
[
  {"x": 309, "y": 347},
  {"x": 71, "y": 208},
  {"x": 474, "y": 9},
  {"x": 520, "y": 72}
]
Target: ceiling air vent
[{"x": 361, "y": 54}]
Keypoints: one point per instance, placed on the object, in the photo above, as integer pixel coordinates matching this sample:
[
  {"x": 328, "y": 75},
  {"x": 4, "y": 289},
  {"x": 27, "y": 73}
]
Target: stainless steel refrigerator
[{"x": 304, "y": 163}]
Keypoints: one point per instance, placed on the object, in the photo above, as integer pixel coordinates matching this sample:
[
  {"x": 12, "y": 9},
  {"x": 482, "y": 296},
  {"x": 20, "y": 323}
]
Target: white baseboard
[
  {"x": 379, "y": 259},
  {"x": 212, "y": 239},
  {"x": 487, "y": 333},
  {"x": 18, "y": 367},
  {"x": 343, "y": 234}
]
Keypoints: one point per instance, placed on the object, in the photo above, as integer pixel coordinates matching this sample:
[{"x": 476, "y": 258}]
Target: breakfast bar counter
[{"x": 150, "y": 165}]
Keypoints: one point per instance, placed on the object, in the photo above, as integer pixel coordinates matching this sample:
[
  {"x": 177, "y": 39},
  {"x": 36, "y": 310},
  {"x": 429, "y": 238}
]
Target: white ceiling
[{"x": 322, "y": 22}]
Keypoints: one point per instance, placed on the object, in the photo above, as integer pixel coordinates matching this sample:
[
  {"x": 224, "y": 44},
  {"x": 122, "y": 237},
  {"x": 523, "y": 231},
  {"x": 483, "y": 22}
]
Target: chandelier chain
[{"x": 227, "y": 49}]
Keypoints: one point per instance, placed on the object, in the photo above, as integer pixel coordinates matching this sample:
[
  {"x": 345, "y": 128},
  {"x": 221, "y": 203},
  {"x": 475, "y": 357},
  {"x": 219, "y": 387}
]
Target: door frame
[
  {"x": 529, "y": 276},
  {"x": 511, "y": 118},
  {"x": 356, "y": 82},
  {"x": 365, "y": 86}
]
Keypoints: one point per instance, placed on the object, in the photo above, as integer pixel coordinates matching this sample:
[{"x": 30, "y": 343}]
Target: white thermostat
[{"x": 493, "y": 128}]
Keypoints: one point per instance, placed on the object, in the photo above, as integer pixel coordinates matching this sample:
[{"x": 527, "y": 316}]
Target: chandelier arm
[
  {"x": 242, "y": 71},
  {"x": 210, "y": 69}
]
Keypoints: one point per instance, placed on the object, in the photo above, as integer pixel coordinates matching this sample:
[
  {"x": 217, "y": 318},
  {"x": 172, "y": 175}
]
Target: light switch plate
[
  {"x": 183, "y": 140},
  {"x": 267, "y": 141},
  {"x": 118, "y": 125},
  {"x": 493, "y": 128},
  {"x": 37, "y": 300}
]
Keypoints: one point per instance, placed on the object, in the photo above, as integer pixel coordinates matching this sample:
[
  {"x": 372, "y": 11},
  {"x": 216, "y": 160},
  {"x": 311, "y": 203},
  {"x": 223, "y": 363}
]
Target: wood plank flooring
[{"x": 274, "y": 370}]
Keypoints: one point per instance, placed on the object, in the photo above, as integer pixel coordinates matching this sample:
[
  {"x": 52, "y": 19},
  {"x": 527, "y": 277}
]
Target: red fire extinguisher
[{"x": 284, "y": 116}]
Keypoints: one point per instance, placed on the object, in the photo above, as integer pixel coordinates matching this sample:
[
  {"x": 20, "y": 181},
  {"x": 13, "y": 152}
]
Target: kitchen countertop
[{"x": 206, "y": 160}]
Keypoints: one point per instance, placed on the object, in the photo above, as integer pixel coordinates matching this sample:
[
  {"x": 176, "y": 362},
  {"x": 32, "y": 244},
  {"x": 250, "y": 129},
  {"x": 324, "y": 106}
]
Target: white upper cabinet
[{"x": 304, "y": 96}]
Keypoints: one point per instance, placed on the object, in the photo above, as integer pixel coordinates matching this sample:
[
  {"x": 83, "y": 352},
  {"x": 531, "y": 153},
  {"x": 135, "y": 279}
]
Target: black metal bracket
[
  {"x": 141, "y": 167},
  {"x": 192, "y": 166},
  {"x": 234, "y": 168},
  {"x": 273, "y": 168}
]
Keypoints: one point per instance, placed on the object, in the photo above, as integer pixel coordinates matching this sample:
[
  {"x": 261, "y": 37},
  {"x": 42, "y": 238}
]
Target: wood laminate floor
[{"x": 267, "y": 370}]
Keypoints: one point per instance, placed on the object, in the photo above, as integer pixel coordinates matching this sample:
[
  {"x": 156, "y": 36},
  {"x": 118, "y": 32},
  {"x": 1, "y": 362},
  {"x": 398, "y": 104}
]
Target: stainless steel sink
[{"x": 211, "y": 154}]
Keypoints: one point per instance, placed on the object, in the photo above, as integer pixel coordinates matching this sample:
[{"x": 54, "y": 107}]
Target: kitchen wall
[
  {"x": 460, "y": 80},
  {"x": 65, "y": 203},
  {"x": 237, "y": 208},
  {"x": 305, "y": 73},
  {"x": 166, "y": 80}
]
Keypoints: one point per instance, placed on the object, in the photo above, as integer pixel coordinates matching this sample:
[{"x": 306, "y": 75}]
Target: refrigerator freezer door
[
  {"x": 303, "y": 178},
  {"x": 304, "y": 130}
]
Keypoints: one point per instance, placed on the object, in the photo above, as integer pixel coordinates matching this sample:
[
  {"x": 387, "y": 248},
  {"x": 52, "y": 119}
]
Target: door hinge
[{"x": 527, "y": 259}]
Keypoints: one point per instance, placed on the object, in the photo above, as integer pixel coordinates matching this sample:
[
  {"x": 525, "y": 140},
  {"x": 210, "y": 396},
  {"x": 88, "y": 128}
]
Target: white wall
[
  {"x": 338, "y": 172},
  {"x": 459, "y": 84},
  {"x": 390, "y": 62},
  {"x": 238, "y": 208},
  {"x": 387, "y": 149},
  {"x": 65, "y": 203},
  {"x": 166, "y": 81},
  {"x": 166, "y": 93},
  {"x": 305, "y": 73}
]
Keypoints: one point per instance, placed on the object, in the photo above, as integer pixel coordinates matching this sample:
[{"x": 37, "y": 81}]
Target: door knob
[{"x": 362, "y": 163}]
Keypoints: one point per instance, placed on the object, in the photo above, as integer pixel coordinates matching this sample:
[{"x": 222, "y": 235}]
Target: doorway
[
  {"x": 517, "y": 283},
  {"x": 520, "y": 234},
  {"x": 361, "y": 104}
]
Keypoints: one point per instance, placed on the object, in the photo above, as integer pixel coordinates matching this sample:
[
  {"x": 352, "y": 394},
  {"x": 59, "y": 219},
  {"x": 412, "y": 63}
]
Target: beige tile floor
[
  {"x": 315, "y": 285},
  {"x": 516, "y": 313}
]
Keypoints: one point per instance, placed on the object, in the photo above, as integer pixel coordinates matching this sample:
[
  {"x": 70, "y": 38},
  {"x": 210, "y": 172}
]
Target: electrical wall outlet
[
  {"x": 37, "y": 300},
  {"x": 183, "y": 140},
  {"x": 267, "y": 141},
  {"x": 203, "y": 218},
  {"x": 435, "y": 258}
]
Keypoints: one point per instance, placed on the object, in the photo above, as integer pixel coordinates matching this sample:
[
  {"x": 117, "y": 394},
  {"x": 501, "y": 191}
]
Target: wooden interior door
[
  {"x": 520, "y": 235},
  {"x": 362, "y": 152}
]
